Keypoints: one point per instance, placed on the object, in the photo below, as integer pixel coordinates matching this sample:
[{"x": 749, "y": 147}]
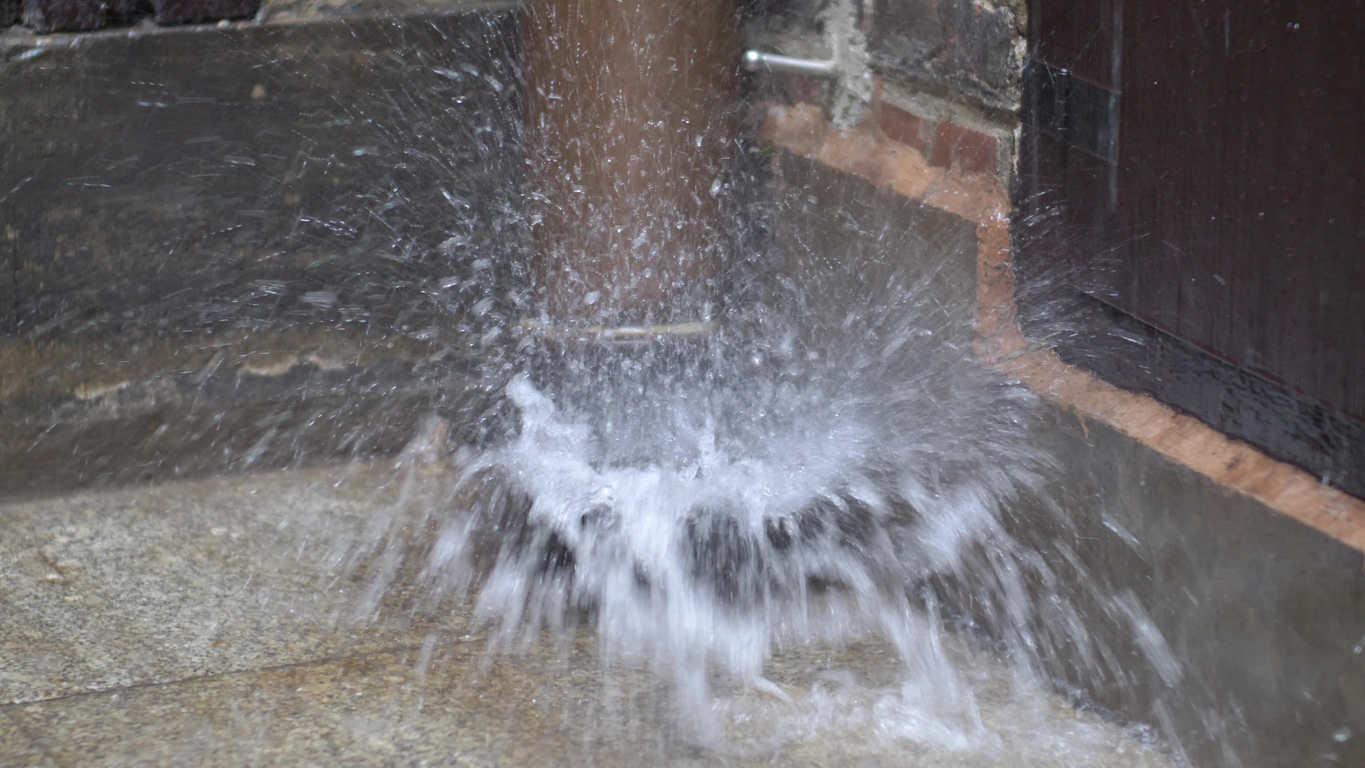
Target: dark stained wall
[
  {"x": 160, "y": 178},
  {"x": 1198, "y": 167},
  {"x": 1240, "y": 219},
  {"x": 957, "y": 48}
]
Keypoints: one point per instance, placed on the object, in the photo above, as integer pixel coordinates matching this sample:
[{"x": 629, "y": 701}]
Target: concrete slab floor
[{"x": 201, "y": 623}]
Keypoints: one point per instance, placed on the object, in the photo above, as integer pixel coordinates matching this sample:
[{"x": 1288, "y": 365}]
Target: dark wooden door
[{"x": 1199, "y": 165}]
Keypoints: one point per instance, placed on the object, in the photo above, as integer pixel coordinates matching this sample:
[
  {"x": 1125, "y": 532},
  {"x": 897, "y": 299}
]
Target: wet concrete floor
[{"x": 203, "y": 623}]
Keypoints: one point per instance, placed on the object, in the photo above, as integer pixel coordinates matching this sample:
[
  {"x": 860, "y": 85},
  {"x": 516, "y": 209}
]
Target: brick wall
[
  {"x": 945, "y": 73},
  {"x": 963, "y": 49}
]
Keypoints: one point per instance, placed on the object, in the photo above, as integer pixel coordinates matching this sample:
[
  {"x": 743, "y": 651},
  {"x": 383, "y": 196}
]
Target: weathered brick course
[
  {"x": 963, "y": 149},
  {"x": 903, "y": 127},
  {"x": 960, "y": 45}
]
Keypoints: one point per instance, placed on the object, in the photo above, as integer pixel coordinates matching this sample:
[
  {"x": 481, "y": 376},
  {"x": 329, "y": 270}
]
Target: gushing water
[
  {"x": 832, "y": 466},
  {"x": 803, "y": 476}
]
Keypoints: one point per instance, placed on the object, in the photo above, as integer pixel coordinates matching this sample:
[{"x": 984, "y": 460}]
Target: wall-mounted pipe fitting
[{"x": 758, "y": 61}]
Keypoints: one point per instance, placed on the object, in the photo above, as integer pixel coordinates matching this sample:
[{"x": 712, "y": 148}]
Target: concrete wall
[
  {"x": 180, "y": 165},
  {"x": 247, "y": 245}
]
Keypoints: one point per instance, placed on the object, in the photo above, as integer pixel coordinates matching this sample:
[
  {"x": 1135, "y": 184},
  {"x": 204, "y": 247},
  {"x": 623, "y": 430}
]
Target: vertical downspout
[{"x": 630, "y": 120}]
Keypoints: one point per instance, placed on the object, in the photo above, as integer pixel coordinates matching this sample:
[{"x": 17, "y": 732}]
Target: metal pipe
[
  {"x": 758, "y": 61},
  {"x": 631, "y": 118}
]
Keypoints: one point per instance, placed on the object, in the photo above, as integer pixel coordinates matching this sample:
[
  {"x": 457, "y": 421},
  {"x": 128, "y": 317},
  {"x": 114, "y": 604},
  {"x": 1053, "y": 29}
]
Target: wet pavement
[{"x": 208, "y": 623}]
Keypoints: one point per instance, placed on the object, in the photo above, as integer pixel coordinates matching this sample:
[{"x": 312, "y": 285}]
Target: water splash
[{"x": 801, "y": 477}]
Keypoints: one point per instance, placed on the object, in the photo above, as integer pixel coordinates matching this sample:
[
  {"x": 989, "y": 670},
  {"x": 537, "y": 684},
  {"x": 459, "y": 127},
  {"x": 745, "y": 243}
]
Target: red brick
[
  {"x": 800, "y": 128},
  {"x": 798, "y": 88},
  {"x": 901, "y": 126},
  {"x": 966, "y": 150}
]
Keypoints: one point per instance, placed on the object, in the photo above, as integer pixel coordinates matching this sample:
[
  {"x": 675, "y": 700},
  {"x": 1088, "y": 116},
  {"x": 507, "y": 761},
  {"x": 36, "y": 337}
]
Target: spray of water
[{"x": 833, "y": 464}]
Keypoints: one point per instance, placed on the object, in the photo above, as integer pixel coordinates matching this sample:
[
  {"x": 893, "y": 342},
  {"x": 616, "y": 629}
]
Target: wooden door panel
[
  {"x": 1239, "y": 224},
  {"x": 1233, "y": 217}
]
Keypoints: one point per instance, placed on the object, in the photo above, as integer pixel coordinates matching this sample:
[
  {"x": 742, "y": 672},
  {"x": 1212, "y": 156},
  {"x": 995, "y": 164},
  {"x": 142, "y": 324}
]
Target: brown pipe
[{"x": 630, "y": 119}]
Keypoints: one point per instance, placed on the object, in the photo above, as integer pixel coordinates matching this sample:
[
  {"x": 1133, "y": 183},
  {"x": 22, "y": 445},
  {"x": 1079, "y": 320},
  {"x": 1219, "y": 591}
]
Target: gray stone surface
[
  {"x": 103, "y": 591},
  {"x": 85, "y": 414},
  {"x": 16, "y": 749},
  {"x": 199, "y": 624},
  {"x": 1263, "y": 616},
  {"x": 386, "y": 709},
  {"x": 298, "y": 10},
  {"x": 855, "y": 245}
]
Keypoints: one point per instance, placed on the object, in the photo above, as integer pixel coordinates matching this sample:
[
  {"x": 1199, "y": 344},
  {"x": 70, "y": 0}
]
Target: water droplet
[{"x": 592, "y": 298}]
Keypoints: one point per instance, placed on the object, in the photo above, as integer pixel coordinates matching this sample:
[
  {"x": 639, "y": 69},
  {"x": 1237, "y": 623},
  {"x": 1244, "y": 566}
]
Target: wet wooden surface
[{"x": 1230, "y": 217}]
